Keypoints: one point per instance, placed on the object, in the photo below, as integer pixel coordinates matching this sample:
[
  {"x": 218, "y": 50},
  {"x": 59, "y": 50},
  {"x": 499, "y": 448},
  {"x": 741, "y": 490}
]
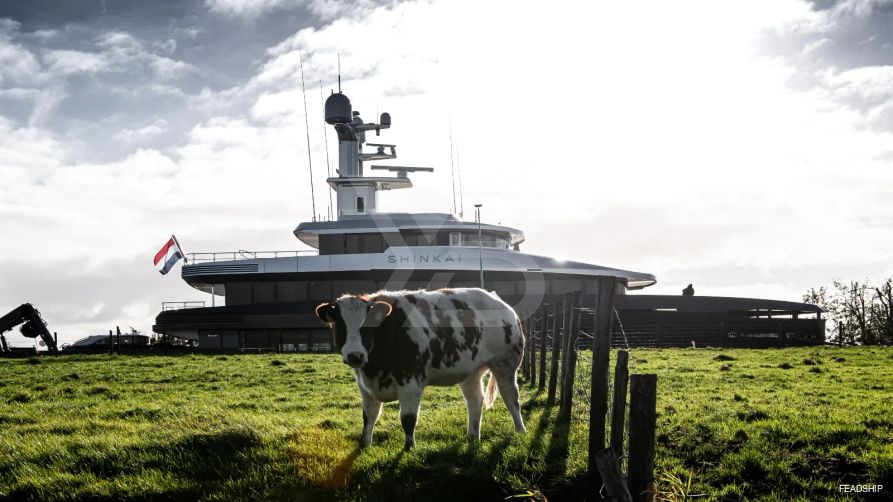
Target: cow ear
[
  {"x": 380, "y": 310},
  {"x": 326, "y": 312}
]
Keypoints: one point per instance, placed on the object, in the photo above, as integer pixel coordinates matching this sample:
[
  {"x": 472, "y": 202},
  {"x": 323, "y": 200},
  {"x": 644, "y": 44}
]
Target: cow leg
[
  {"x": 371, "y": 411},
  {"x": 506, "y": 373},
  {"x": 410, "y": 400},
  {"x": 474, "y": 401}
]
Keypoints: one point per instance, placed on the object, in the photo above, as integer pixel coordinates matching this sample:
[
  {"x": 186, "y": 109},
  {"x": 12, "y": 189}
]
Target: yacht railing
[
  {"x": 182, "y": 305},
  {"x": 245, "y": 255}
]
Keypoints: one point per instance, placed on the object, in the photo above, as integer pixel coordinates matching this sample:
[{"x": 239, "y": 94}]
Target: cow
[{"x": 398, "y": 342}]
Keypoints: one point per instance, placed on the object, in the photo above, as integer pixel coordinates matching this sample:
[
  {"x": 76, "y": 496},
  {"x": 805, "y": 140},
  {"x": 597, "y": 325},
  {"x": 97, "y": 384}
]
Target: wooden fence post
[
  {"x": 556, "y": 353},
  {"x": 562, "y": 382},
  {"x": 642, "y": 421},
  {"x": 609, "y": 469},
  {"x": 621, "y": 375},
  {"x": 567, "y": 395},
  {"x": 111, "y": 343},
  {"x": 601, "y": 355},
  {"x": 118, "y": 338},
  {"x": 533, "y": 341},
  {"x": 529, "y": 346},
  {"x": 525, "y": 370},
  {"x": 544, "y": 338}
]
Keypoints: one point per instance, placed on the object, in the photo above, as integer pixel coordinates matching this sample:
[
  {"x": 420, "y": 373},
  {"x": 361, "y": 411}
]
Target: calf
[{"x": 397, "y": 342}]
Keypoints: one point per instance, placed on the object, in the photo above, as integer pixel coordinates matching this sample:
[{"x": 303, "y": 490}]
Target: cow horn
[
  {"x": 323, "y": 306},
  {"x": 390, "y": 307}
]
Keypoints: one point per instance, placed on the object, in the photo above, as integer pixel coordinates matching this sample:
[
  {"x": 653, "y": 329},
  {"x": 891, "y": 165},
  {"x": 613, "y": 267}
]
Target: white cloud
[
  {"x": 168, "y": 46},
  {"x": 248, "y": 8},
  {"x": 149, "y": 131},
  {"x": 44, "y": 35},
  {"x": 338, "y": 9},
  {"x": 126, "y": 53},
  {"x": 17, "y": 64},
  {"x": 66, "y": 62},
  {"x": 866, "y": 86},
  {"x": 189, "y": 32},
  {"x": 29, "y": 151},
  {"x": 282, "y": 107}
]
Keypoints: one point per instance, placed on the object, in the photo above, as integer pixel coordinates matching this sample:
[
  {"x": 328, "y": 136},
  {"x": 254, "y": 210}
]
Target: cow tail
[{"x": 490, "y": 395}]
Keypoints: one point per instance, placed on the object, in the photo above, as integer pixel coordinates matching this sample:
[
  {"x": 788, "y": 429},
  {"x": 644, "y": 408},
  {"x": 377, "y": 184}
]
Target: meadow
[{"x": 774, "y": 424}]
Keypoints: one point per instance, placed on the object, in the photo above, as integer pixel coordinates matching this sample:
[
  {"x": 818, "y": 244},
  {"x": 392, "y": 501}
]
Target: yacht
[{"x": 270, "y": 297}]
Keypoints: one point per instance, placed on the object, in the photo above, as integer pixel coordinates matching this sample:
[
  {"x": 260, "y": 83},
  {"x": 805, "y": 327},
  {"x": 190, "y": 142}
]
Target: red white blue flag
[{"x": 168, "y": 255}]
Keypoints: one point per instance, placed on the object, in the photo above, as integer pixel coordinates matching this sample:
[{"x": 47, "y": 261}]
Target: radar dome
[{"x": 338, "y": 109}]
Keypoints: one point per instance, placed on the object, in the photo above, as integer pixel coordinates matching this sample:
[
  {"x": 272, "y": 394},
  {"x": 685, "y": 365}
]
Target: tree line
[{"x": 858, "y": 313}]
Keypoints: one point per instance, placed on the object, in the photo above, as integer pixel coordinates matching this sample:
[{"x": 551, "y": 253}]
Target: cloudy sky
[{"x": 742, "y": 146}]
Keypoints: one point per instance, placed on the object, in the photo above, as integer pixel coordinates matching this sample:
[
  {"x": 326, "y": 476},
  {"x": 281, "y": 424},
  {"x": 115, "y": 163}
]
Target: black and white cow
[{"x": 397, "y": 342}]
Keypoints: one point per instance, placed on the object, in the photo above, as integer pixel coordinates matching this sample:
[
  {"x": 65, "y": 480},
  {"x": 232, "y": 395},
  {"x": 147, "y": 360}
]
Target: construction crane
[{"x": 32, "y": 326}]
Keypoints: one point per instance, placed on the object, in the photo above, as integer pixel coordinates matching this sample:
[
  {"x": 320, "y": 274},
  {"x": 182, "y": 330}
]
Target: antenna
[
  {"x": 307, "y": 129},
  {"x": 452, "y": 168},
  {"x": 326, "y": 136},
  {"x": 339, "y": 72},
  {"x": 459, "y": 170}
]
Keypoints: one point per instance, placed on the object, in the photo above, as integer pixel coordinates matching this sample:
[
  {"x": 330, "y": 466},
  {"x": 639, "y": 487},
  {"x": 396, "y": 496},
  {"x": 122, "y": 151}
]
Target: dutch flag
[{"x": 168, "y": 255}]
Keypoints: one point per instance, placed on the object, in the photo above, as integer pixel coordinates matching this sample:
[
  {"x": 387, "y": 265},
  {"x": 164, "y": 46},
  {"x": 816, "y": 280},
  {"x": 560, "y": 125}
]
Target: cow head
[{"x": 354, "y": 321}]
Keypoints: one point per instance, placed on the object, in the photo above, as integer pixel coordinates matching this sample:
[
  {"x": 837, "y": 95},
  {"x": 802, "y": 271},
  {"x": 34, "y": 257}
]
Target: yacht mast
[{"x": 357, "y": 193}]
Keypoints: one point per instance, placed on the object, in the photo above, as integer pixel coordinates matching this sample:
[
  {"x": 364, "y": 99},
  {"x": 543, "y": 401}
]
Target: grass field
[{"x": 744, "y": 424}]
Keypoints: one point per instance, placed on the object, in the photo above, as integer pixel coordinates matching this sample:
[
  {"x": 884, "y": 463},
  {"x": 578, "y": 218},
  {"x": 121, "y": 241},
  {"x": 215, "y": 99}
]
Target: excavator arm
[{"x": 32, "y": 326}]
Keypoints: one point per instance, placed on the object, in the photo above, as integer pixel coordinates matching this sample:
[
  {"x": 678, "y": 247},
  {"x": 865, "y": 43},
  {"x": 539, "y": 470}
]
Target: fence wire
[{"x": 582, "y": 390}]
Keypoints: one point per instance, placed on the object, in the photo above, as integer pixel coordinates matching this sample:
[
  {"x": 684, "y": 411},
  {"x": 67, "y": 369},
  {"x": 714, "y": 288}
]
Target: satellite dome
[{"x": 338, "y": 109}]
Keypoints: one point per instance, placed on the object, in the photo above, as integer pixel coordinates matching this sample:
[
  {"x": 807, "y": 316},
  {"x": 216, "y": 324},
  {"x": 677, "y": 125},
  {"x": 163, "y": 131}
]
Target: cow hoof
[{"x": 408, "y": 445}]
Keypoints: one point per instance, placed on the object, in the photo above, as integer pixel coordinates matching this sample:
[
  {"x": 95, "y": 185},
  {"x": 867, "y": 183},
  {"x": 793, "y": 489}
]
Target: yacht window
[
  {"x": 331, "y": 244},
  {"x": 238, "y": 293},
  {"x": 352, "y": 243},
  {"x": 487, "y": 241},
  {"x": 263, "y": 292},
  {"x": 418, "y": 238},
  {"x": 361, "y": 204},
  {"x": 373, "y": 244},
  {"x": 455, "y": 239},
  {"x": 291, "y": 291}
]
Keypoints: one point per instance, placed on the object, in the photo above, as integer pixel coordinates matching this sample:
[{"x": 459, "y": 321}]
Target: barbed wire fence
[{"x": 577, "y": 319}]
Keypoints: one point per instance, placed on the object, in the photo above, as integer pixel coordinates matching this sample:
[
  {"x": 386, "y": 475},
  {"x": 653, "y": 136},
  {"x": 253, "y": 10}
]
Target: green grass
[{"x": 758, "y": 424}]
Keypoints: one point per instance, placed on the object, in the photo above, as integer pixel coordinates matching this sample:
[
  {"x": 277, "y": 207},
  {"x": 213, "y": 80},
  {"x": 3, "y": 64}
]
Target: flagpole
[{"x": 185, "y": 261}]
